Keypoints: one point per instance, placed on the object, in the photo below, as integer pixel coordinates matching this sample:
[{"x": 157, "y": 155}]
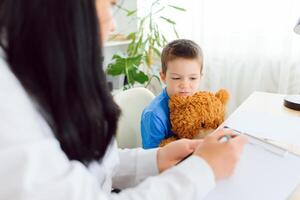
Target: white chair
[{"x": 132, "y": 103}]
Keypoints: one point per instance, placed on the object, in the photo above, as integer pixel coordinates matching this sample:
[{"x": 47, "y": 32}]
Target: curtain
[{"x": 248, "y": 45}]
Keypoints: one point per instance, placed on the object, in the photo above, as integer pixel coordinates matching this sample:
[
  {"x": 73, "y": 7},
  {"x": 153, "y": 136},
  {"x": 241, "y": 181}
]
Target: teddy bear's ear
[{"x": 223, "y": 95}]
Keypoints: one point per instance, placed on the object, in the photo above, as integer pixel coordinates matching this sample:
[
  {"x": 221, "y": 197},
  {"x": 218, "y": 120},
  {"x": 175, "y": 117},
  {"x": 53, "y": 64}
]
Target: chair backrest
[{"x": 132, "y": 103}]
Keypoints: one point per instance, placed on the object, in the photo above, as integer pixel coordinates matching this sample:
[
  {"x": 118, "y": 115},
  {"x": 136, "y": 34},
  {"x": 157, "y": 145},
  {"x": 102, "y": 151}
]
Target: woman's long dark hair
[{"x": 53, "y": 47}]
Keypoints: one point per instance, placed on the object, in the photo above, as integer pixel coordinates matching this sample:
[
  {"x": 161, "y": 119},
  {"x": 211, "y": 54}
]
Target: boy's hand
[{"x": 174, "y": 152}]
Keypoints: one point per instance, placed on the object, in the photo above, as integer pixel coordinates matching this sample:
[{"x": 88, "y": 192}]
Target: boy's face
[{"x": 182, "y": 76}]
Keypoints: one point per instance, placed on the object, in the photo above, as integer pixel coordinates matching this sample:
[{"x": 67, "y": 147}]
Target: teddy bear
[{"x": 197, "y": 115}]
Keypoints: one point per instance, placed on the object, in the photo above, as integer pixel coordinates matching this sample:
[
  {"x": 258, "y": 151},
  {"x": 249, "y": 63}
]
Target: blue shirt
[{"x": 155, "y": 121}]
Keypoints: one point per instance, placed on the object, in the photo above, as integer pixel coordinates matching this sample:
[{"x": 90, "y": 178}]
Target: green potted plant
[{"x": 136, "y": 64}]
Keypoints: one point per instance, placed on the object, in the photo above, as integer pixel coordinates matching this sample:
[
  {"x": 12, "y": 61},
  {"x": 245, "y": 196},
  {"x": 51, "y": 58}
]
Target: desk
[
  {"x": 263, "y": 102},
  {"x": 270, "y": 103}
]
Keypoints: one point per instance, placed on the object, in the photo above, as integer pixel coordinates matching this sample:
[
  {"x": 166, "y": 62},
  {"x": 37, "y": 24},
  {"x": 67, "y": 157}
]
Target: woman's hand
[
  {"x": 174, "y": 152},
  {"x": 222, "y": 157}
]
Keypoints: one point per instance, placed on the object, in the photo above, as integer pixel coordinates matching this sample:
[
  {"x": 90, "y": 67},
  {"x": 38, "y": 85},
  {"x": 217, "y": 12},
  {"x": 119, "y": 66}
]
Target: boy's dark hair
[
  {"x": 53, "y": 48},
  {"x": 181, "y": 48}
]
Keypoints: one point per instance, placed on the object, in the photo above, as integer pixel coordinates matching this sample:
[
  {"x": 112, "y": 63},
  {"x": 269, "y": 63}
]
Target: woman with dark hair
[{"x": 58, "y": 119}]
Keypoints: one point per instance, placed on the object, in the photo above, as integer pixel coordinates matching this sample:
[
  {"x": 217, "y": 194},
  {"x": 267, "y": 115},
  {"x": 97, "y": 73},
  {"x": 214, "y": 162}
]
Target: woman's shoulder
[
  {"x": 19, "y": 119},
  {"x": 11, "y": 89}
]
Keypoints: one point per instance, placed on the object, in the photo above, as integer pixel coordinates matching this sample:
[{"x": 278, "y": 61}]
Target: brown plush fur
[{"x": 193, "y": 116}]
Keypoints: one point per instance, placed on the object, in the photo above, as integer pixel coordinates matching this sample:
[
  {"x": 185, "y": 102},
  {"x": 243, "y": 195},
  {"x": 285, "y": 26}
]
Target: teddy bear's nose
[{"x": 202, "y": 124}]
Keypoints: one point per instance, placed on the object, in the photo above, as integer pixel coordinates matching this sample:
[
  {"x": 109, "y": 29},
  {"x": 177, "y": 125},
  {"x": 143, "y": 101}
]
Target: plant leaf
[
  {"x": 159, "y": 10},
  {"x": 116, "y": 56},
  {"x": 177, "y": 8},
  {"x": 136, "y": 75},
  {"x": 140, "y": 76},
  {"x": 168, "y": 20},
  {"x": 132, "y": 12},
  {"x": 164, "y": 39},
  {"x": 175, "y": 31},
  {"x": 117, "y": 67},
  {"x": 137, "y": 45},
  {"x": 157, "y": 52},
  {"x": 130, "y": 77},
  {"x": 127, "y": 11},
  {"x": 134, "y": 61},
  {"x": 157, "y": 36},
  {"x": 131, "y": 36}
]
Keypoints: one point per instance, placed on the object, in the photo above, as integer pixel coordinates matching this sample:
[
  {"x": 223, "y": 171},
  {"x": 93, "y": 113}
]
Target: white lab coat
[{"x": 33, "y": 166}]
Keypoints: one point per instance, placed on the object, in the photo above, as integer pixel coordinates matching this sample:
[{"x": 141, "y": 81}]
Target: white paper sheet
[
  {"x": 285, "y": 129},
  {"x": 260, "y": 174}
]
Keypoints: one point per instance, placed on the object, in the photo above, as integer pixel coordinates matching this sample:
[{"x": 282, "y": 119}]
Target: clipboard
[
  {"x": 264, "y": 143},
  {"x": 278, "y": 128},
  {"x": 265, "y": 171}
]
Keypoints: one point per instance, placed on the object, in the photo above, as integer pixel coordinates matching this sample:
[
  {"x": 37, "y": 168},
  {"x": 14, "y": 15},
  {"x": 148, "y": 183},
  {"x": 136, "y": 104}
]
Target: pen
[
  {"x": 184, "y": 158},
  {"x": 232, "y": 129},
  {"x": 265, "y": 143}
]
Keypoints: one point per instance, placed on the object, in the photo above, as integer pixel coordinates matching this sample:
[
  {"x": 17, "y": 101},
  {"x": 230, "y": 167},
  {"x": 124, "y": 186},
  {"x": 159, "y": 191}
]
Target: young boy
[{"x": 182, "y": 62}]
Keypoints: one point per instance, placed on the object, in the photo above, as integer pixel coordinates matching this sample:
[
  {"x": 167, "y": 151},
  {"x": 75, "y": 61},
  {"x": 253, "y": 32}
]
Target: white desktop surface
[{"x": 271, "y": 104}]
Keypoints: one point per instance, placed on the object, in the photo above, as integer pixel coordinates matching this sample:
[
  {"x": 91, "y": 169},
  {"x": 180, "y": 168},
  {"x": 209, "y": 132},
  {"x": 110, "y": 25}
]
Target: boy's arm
[{"x": 153, "y": 130}]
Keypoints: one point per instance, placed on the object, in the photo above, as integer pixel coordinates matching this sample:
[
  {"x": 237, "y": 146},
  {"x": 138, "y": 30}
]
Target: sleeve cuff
[{"x": 146, "y": 164}]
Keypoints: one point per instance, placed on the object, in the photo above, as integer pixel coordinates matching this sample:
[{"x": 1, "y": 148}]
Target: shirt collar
[{"x": 165, "y": 94}]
